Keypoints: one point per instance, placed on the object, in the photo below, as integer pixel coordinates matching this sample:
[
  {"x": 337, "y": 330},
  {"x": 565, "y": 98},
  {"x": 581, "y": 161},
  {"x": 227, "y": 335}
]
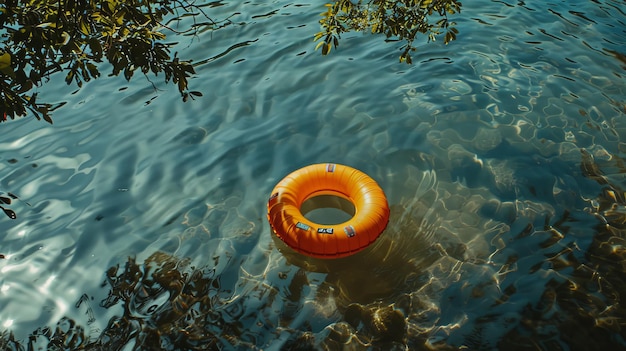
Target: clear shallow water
[{"x": 500, "y": 154}]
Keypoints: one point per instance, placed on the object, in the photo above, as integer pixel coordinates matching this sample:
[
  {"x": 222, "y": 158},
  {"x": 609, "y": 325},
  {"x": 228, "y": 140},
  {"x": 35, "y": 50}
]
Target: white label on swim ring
[
  {"x": 324, "y": 230},
  {"x": 350, "y": 232},
  {"x": 330, "y": 167}
]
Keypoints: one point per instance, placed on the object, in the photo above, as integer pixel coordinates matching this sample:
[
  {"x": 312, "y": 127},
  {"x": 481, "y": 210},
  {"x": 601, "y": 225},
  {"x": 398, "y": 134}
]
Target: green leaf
[
  {"x": 326, "y": 48},
  {"x": 318, "y": 36},
  {"x": 69, "y": 77}
]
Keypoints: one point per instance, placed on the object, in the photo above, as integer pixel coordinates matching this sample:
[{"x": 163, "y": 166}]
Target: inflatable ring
[{"x": 371, "y": 211}]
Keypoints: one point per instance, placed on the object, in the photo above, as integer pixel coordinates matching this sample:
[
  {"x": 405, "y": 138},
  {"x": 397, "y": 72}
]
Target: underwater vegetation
[{"x": 169, "y": 304}]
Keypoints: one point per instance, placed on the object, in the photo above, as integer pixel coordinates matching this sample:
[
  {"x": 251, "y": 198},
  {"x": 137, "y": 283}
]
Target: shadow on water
[
  {"x": 584, "y": 310},
  {"x": 394, "y": 264},
  {"x": 168, "y": 303}
]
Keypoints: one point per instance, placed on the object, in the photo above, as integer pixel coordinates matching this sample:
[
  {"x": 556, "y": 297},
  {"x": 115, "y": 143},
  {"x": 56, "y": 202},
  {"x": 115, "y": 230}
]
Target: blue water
[{"x": 479, "y": 145}]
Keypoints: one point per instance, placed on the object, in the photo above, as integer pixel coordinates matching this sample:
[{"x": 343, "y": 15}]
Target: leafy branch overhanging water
[
  {"x": 399, "y": 20},
  {"x": 42, "y": 37}
]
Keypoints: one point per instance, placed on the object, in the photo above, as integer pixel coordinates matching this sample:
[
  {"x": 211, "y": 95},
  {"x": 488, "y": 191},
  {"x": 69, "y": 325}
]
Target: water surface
[{"x": 501, "y": 154}]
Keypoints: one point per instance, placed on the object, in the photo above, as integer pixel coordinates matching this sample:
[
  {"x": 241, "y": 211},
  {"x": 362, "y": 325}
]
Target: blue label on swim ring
[{"x": 302, "y": 226}]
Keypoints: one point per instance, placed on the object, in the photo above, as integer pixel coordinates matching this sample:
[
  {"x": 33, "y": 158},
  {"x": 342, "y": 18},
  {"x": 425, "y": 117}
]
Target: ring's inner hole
[{"x": 327, "y": 209}]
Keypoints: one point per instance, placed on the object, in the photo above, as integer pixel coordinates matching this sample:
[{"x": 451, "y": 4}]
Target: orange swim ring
[{"x": 371, "y": 211}]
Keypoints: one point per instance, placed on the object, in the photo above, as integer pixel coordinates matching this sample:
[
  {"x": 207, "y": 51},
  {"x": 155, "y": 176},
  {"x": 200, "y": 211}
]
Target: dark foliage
[
  {"x": 43, "y": 37},
  {"x": 400, "y": 20}
]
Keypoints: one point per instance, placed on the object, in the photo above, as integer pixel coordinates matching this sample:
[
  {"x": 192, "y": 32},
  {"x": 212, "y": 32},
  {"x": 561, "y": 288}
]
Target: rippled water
[{"x": 142, "y": 218}]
